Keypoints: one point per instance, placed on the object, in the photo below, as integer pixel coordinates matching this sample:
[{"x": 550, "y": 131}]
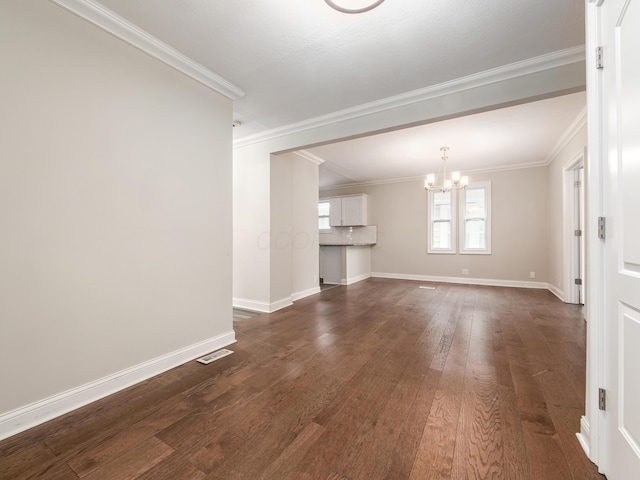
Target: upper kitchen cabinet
[{"x": 348, "y": 211}]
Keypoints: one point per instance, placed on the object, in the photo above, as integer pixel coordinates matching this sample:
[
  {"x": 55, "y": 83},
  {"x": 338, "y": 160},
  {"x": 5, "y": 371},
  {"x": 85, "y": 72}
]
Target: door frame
[
  {"x": 590, "y": 424},
  {"x": 570, "y": 204}
]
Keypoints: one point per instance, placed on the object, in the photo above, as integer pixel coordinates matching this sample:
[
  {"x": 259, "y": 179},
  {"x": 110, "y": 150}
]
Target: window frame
[
  {"x": 462, "y": 219},
  {"x": 328, "y": 217},
  {"x": 454, "y": 238}
]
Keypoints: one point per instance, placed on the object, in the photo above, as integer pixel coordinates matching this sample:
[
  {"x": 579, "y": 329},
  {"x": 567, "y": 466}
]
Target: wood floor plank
[
  {"x": 435, "y": 453},
  {"x": 479, "y": 448},
  {"x": 162, "y": 416},
  {"x": 20, "y": 460},
  {"x": 286, "y": 462},
  {"x": 516, "y": 462},
  {"x": 542, "y": 440},
  {"x": 376, "y": 380},
  {"x": 172, "y": 467},
  {"x": 134, "y": 462}
]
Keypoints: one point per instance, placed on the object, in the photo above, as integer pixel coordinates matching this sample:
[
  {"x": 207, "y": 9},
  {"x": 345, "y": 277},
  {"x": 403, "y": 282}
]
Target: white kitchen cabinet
[
  {"x": 335, "y": 212},
  {"x": 348, "y": 211}
]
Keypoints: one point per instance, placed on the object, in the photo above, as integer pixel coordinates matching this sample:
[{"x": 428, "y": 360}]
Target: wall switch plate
[{"x": 532, "y": 274}]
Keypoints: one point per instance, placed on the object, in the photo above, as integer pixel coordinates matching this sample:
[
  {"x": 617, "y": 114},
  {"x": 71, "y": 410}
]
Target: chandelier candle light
[{"x": 456, "y": 182}]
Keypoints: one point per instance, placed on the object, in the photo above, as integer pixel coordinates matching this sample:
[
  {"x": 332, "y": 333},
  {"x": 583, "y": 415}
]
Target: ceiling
[
  {"x": 299, "y": 59},
  {"x": 514, "y": 137}
]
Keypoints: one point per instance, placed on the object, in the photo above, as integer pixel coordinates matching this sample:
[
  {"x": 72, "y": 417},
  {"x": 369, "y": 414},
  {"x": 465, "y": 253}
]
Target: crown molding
[
  {"x": 421, "y": 178},
  {"x": 568, "y": 135},
  {"x": 525, "y": 67},
  {"x": 310, "y": 156},
  {"x": 107, "y": 20}
]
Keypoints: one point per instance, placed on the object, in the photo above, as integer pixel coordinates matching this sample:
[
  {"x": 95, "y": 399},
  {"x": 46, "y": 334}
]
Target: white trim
[
  {"x": 557, "y": 292},
  {"x": 453, "y": 249},
  {"x": 280, "y": 304},
  {"x": 262, "y": 307},
  {"x": 584, "y": 437},
  {"x": 357, "y": 278},
  {"x": 251, "y": 305},
  {"x": 117, "y": 26},
  {"x": 504, "y": 168},
  {"x": 568, "y": 135},
  {"x": 310, "y": 156},
  {"x": 335, "y": 168},
  {"x": 464, "y": 280},
  {"x": 594, "y": 297},
  {"x": 486, "y": 185},
  {"x": 37, "y": 413},
  {"x": 518, "y": 69},
  {"x": 569, "y": 264},
  {"x": 305, "y": 293}
]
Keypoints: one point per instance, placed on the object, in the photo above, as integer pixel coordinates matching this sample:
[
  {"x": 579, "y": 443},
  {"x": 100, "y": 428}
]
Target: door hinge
[
  {"x": 578, "y": 233},
  {"x": 577, "y": 184},
  {"x": 602, "y": 399},
  {"x": 602, "y": 228},
  {"x": 599, "y": 58},
  {"x": 578, "y": 281}
]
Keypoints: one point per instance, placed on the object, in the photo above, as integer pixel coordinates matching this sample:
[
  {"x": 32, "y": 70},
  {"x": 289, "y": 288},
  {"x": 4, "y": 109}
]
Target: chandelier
[
  {"x": 353, "y": 6},
  {"x": 456, "y": 182}
]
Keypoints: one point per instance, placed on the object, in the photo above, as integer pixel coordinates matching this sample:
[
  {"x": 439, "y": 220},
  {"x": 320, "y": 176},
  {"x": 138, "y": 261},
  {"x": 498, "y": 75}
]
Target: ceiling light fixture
[
  {"x": 456, "y": 182},
  {"x": 353, "y": 6}
]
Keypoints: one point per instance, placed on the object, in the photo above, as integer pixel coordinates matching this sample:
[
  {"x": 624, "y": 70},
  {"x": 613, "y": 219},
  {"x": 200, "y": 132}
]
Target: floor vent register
[{"x": 212, "y": 357}]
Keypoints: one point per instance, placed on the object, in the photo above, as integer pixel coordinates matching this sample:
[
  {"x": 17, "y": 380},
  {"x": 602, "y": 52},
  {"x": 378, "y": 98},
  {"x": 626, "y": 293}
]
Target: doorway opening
[{"x": 574, "y": 229}]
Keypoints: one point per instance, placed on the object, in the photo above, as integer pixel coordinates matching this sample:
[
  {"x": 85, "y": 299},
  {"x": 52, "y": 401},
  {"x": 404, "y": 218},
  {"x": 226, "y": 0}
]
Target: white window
[
  {"x": 475, "y": 218},
  {"x": 442, "y": 225},
  {"x": 324, "y": 213}
]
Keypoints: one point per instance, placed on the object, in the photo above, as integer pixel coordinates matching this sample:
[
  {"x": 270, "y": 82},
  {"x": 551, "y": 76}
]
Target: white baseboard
[
  {"x": 280, "y": 304},
  {"x": 251, "y": 305},
  {"x": 305, "y": 293},
  {"x": 584, "y": 437},
  {"x": 262, "y": 307},
  {"x": 29, "y": 416},
  {"x": 557, "y": 292},
  {"x": 464, "y": 280},
  {"x": 357, "y": 278}
]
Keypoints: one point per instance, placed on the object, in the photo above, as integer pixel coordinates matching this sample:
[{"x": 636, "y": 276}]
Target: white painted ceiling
[
  {"x": 523, "y": 135},
  {"x": 299, "y": 59}
]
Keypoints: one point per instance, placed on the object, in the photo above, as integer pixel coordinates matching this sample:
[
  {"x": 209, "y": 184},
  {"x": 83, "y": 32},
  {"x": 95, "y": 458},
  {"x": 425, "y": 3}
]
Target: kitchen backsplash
[{"x": 350, "y": 236}]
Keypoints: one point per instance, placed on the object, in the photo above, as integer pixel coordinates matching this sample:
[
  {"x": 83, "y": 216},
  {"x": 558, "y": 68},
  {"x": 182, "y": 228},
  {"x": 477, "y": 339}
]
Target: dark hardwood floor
[{"x": 378, "y": 380}]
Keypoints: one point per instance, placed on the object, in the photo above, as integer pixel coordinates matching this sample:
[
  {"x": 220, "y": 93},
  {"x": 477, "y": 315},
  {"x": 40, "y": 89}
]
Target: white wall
[
  {"x": 251, "y": 229},
  {"x": 357, "y": 264},
  {"x": 252, "y": 157},
  {"x": 115, "y": 206},
  {"x": 286, "y": 229},
  {"x": 305, "y": 251},
  {"x": 281, "y": 230},
  {"x": 519, "y": 229}
]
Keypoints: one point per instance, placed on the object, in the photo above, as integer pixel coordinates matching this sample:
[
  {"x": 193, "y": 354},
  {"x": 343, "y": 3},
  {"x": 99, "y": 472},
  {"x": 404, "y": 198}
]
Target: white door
[
  {"x": 620, "y": 447},
  {"x": 575, "y": 182}
]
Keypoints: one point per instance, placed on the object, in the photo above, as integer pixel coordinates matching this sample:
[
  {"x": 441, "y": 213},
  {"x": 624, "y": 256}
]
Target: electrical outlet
[
  {"x": 532, "y": 274},
  {"x": 465, "y": 271}
]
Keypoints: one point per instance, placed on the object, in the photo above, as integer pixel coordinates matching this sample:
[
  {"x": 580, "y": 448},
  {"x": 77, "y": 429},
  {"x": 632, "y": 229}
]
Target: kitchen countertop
[{"x": 347, "y": 244}]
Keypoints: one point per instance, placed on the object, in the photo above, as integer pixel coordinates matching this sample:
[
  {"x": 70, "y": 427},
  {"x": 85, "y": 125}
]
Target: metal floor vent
[
  {"x": 212, "y": 357},
  {"x": 426, "y": 288}
]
